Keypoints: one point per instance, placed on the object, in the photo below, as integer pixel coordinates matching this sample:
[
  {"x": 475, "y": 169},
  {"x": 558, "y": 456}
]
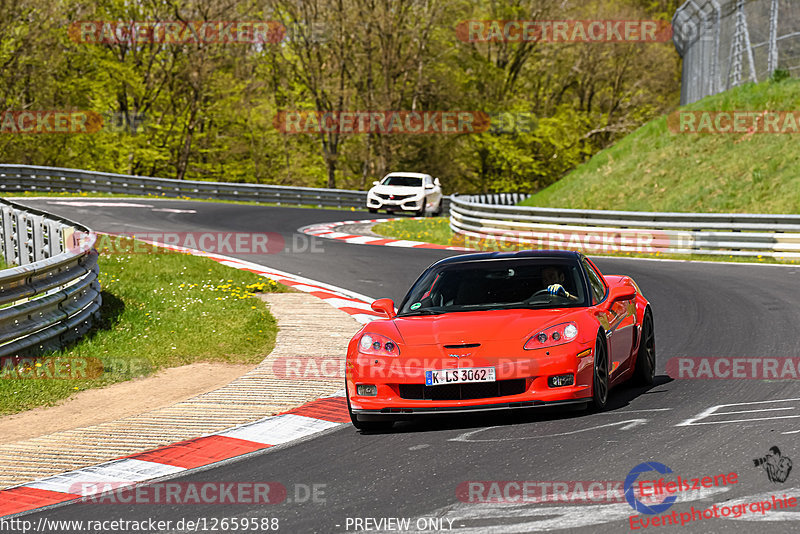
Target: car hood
[
  {"x": 477, "y": 327},
  {"x": 396, "y": 190}
]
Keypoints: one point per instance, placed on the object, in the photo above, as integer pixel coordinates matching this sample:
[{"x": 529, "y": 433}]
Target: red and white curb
[
  {"x": 350, "y": 302},
  {"x": 311, "y": 418},
  {"x": 328, "y": 231}
]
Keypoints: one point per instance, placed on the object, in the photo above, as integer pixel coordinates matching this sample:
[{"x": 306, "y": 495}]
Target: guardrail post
[
  {"x": 24, "y": 252},
  {"x": 37, "y": 241},
  {"x": 7, "y": 235},
  {"x": 54, "y": 238}
]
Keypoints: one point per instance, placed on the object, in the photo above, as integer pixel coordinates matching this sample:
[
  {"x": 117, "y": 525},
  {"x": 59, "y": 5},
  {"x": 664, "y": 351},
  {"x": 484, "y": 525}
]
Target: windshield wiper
[{"x": 421, "y": 312}]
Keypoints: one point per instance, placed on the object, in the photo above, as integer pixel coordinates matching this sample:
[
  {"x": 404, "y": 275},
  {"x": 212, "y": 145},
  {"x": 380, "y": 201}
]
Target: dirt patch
[{"x": 95, "y": 406}]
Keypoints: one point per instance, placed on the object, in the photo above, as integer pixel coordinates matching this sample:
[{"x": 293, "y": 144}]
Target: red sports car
[{"x": 500, "y": 330}]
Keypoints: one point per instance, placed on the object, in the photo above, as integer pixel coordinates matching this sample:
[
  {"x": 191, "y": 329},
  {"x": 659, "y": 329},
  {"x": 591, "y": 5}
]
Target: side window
[
  {"x": 428, "y": 181},
  {"x": 598, "y": 288}
]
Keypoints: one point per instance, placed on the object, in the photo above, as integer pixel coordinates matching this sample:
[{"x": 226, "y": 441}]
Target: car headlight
[
  {"x": 377, "y": 345},
  {"x": 555, "y": 335}
]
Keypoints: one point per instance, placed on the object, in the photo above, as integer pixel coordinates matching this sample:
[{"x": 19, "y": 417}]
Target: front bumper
[
  {"x": 395, "y": 413},
  {"x": 390, "y": 375},
  {"x": 410, "y": 204}
]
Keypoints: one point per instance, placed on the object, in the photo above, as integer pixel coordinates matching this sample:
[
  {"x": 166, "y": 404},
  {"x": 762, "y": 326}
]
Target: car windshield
[
  {"x": 407, "y": 181},
  {"x": 496, "y": 284}
]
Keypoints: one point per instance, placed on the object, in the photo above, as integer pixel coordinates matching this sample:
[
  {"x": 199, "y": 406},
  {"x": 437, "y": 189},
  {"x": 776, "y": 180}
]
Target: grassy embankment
[
  {"x": 655, "y": 169},
  {"x": 159, "y": 310}
]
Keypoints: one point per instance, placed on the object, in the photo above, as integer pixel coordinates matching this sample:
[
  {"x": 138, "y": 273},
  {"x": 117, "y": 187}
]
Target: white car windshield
[{"x": 406, "y": 181}]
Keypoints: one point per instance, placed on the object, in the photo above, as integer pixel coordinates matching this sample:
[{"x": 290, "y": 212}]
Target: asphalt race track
[{"x": 700, "y": 309}]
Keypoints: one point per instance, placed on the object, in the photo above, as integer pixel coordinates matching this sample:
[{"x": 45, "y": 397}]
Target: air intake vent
[
  {"x": 463, "y": 346},
  {"x": 480, "y": 390}
]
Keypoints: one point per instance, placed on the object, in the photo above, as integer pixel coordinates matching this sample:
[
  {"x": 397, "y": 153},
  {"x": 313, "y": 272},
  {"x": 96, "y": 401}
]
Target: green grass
[
  {"x": 438, "y": 231},
  {"x": 654, "y": 169},
  {"x": 434, "y": 230},
  {"x": 159, "y": 310}
]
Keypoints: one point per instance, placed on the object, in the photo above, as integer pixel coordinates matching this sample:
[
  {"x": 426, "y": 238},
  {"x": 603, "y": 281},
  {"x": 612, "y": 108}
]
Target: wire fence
[{"x": 725, "y": 43}]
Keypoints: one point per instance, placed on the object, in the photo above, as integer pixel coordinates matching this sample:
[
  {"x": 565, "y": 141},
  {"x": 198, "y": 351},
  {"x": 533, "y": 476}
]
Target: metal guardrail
[
  {"x": 596, "y": 231},
  {"x": 19, "y": 178},
  {"x": 51, "y": 295},
  {"x": 498, "y": 199}
]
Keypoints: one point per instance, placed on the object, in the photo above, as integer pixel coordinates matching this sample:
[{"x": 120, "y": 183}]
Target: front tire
[
  {"x": 373, "y": 210},
  {"x": 645, "y": 370},
  {"x": 600, "y": 375}
]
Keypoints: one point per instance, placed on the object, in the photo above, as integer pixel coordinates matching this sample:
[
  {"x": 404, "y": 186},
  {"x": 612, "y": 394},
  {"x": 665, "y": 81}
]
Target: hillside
[{"x": 654, "y": 169}]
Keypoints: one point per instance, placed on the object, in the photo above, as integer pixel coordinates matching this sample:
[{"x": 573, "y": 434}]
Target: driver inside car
[{"x": 553, "y": 278}]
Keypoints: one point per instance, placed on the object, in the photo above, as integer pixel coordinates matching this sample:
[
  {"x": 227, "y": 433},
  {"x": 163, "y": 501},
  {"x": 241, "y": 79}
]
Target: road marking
[
  {"x": 636, "y": 411},
  {"x": 713, "y": 411},
  {"x": 466, "y": 437},
  {"x": 496, "y": 518},
  {"x": 83, "y": 204},
  {"x": 170, "y": 210}
]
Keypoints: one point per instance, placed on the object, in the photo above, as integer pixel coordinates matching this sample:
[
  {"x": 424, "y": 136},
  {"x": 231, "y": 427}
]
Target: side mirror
[
  {"x": 385, "y": 306},
  {"x": 376, "y": 182},
  {"x": 620, "y": 293},
  {"x": 429, "y": 186}
]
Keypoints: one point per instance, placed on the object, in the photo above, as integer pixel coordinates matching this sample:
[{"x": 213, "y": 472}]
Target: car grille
[
  {"x": 479, "y": 390},
  {"x": 393, "y": 197}
]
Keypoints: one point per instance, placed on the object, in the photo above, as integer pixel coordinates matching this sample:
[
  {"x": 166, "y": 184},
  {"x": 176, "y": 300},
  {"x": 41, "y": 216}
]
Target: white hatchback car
[{"x": 406, "y": 191}]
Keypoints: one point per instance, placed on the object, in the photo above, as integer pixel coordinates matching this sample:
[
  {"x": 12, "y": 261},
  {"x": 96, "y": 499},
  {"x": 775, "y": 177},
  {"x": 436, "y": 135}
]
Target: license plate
[{"x": 459, "y": 376}]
